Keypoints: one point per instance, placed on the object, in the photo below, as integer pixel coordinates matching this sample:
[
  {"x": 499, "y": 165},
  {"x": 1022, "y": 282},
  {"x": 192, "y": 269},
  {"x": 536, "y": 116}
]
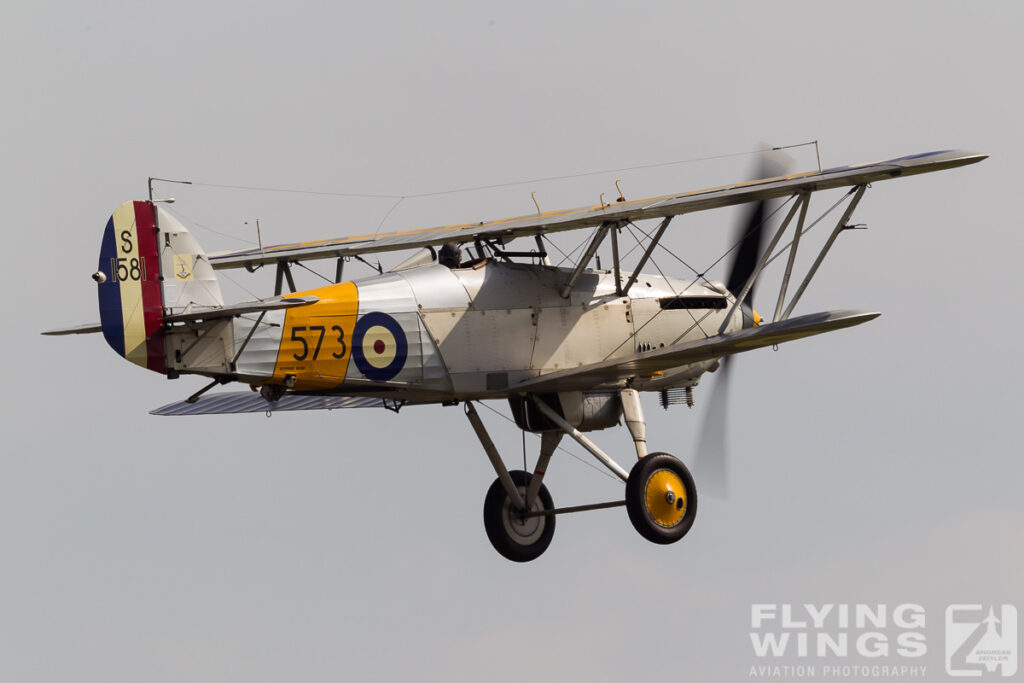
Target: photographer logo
[{"x": 981, "y": 640}]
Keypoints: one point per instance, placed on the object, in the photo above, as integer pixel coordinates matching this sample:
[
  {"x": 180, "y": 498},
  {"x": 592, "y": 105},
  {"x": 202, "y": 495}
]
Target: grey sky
[{"x": 877, "y": 464}]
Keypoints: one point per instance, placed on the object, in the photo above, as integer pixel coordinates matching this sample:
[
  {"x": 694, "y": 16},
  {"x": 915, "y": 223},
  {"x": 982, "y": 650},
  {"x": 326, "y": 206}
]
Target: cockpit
[{"x": 453, "y": 255}]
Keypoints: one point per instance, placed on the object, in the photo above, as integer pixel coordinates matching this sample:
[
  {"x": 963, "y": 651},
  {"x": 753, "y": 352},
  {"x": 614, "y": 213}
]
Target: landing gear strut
[
  {"x": 518, "y": 510},
  {"x": 519, "y": 514}
]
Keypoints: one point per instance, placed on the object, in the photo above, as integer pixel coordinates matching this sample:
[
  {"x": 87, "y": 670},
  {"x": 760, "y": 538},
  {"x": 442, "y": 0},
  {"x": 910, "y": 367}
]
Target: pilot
[{"x": 450, "y": 255}]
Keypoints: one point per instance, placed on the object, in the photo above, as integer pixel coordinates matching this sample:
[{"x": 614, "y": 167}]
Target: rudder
[
  {"x": 149, "y": 264},
  {"x": 130, "y": 292}
]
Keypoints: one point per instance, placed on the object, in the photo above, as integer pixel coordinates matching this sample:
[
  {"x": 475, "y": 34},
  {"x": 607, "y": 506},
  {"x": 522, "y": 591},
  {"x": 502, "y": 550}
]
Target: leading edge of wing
[
  {"x": 589, "y": 216},
  {"x": 250, "y": 402},
  {"x": 650, "y": 362}
]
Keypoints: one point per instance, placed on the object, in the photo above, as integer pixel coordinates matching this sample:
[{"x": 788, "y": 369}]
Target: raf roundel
[{"x": 379, "y": 346}]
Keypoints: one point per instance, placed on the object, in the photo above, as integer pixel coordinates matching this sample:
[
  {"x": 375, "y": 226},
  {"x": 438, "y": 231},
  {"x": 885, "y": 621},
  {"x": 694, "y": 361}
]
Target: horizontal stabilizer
[
  {"x": 649, "y": 362},
  {"x": 240, "y": 309},
  {"x": 77, "y": 329},
  {"x": 251, "y": 402}
]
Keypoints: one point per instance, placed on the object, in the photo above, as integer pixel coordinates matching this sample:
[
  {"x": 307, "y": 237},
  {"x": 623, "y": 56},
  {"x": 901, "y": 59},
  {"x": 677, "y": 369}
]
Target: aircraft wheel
[
  {"x": 518, "y": 538},
  {"x": 661, "y": 498}
]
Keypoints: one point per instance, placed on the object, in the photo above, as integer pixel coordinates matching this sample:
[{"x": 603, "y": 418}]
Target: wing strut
[
  {"x": 615, "y": 258},
  {"x": 802, "y": 201},
  {"x": 647, "y": 255},
  {"x": 840, "y": 226},
  {"x": 602, "y": 232},
  {"x": 283, "y": 271}
]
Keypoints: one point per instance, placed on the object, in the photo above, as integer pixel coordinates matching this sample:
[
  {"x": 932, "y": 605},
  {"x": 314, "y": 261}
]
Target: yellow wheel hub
[{"x": 666, "y": 498}]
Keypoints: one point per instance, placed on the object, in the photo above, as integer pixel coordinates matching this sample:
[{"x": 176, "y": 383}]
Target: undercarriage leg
[
  {"x": 633, "y": 412},
  {"x": 548, "y": 443},
  {"x": 494, "y": 457},
  {"x": 582, "y": 440}
]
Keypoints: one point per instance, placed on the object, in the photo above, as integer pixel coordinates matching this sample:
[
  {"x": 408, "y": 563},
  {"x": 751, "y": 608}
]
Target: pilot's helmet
[{"x": 450, "y": 255}]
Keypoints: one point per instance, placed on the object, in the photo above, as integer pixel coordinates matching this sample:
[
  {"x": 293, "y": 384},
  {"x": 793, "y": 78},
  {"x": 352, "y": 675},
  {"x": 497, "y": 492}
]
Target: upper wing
[
  {"x": 589, "y": 216},
  {"x": 250, "y": 402},
  {"x": 649, "y": 362}
]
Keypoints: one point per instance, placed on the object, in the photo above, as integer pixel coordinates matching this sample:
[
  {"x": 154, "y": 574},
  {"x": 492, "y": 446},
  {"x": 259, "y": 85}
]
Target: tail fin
[{"x": 149, "y": 264}]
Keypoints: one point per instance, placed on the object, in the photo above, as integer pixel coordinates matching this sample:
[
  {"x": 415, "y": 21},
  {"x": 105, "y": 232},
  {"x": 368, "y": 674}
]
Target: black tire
[
  {"x": 655, "y": 507},
  {"x": 516, "y": 538}
]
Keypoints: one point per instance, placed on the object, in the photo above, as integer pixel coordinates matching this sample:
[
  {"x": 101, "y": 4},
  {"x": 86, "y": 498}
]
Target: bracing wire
[
  {"x": 399, "y": 198},
  {"x": 292, "y": 190},
  {"x": 319, "y": 275},
  {"x": 213, "y": 230},
  {"x": 560, "y": 448},
  {"x": 476, "y": 188},
  {"x": 235, "y": 282},
  {"x": 388, "y": 214},
  {"x": 782, "y": 250},
  {"x": 586, "y": 240},
  {"x": 551, "y": 243}
]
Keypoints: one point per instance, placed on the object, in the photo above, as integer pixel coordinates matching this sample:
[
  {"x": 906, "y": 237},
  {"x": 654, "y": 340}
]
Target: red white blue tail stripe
[{"x": 130, "y": 296}]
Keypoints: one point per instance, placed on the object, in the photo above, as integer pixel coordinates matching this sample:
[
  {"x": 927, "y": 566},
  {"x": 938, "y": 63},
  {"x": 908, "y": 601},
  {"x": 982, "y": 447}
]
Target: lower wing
[
  {"x": 251, "y": 402},
  {"x": 675, "y": 355}
]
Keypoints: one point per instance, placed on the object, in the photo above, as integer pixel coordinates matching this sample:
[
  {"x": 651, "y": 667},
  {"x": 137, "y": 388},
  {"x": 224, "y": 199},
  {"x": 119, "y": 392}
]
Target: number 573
[{"x": 316, "y": 334}]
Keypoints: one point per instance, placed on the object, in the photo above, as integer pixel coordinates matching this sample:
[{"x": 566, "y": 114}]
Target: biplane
[{"x": 466, "y": 318}]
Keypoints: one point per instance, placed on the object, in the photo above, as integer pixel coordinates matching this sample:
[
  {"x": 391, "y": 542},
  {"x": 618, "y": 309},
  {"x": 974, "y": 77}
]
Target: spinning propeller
[{"x": 712, "y": 463}]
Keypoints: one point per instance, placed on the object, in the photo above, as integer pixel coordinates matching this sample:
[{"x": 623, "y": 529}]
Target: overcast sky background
[{"x": 879, "y": 464}]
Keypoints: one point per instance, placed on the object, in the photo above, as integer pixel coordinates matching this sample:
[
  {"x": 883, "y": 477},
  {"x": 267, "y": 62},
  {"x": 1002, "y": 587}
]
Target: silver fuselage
[{"x": 464, "y": 332}]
